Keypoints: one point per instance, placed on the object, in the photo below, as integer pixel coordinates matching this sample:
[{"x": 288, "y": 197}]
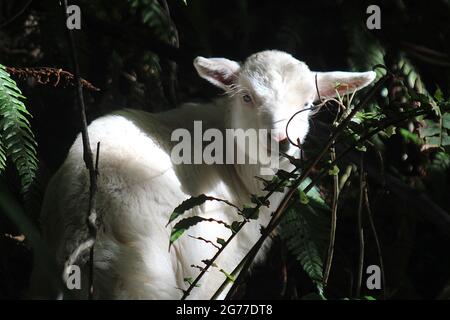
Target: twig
[
  {"x": 336, "y": 191},
  {"x": 237, "y": 270},
  {"x": 333, "y": 222},
  {"x": 89, "y": 162},
  {"x": 345, "y": 176},
  {"x": 360, "y": 226},
  {"x": 284, "y": 271},
  {"x": 297, "y": 144},
  {"x": 377, "y": 240},
  {"x": 206, "y": 241}
]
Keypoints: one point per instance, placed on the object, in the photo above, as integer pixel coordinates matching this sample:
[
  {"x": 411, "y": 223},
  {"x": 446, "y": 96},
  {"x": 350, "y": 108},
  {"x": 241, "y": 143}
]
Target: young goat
[{"x": 139, "y": 184}]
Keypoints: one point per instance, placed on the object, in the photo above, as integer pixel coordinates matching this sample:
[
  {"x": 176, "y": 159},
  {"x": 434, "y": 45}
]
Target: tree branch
[
  {"x": 91, "y": 217},
  {"x": 360, "y": 226},
  {"x": 333, "y": 223},
  {"x": 375, "y": 235}
]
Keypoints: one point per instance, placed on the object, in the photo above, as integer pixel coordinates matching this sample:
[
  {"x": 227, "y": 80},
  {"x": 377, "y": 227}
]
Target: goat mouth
[{"x": 283, "y": 145}]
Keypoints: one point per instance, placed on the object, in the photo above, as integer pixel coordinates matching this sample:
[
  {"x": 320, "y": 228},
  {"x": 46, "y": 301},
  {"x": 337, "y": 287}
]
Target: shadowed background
[{"x": 140, "y": 58}]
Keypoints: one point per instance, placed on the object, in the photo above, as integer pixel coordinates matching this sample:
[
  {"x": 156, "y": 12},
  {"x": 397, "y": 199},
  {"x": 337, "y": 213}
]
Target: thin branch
[
  {"x": 345, "y": 176},
  {"x": 284, "y": 271},
  {"x": 377, "y": 240},
  {"x": 88, "y": 160},
  {"x": 360, "y": 227},
  {"x": 206, "y": 241},
  {"x": 196, "y": 267},
  {"x": 336, "y": 191},
  {"x": 236, "y": 272},
  {"x": 297, "y": 144},
  {"x": 333, "y": 222}
]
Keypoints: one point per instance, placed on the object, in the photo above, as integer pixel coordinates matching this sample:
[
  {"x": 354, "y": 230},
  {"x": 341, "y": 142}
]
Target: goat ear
[
  {"x": 219, "y": 71},
  {"x": 342, "y": 82}
]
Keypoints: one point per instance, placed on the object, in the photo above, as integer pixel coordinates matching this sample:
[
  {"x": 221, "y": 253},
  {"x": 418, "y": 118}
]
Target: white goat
[{"x": 139, "y": 186}]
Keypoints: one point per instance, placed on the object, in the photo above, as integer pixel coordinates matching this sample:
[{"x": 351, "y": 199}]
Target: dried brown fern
[{"x": 46, "y": 75}]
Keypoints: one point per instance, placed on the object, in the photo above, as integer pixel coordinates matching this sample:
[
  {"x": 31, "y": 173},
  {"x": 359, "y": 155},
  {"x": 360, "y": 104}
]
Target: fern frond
[
  {"x": 2, "y": 157},
  {"x": 412, "y": 76},
  {"x": 16, "y": 138},
  {"x": 305, "y": 229}
]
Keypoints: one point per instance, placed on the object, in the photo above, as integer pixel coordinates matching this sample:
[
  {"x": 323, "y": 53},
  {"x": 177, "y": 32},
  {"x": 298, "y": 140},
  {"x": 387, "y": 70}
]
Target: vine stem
[
  {"x": 375, "y": 235},
  {"x": 360, "y": 226},
  {"x": 92, "y": 167},
  {"x": 334, "y": 205},
  {"x": 333, "y": 222}
]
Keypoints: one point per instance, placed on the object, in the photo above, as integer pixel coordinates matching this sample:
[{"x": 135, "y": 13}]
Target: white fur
[{"x": 138, "y": 186}]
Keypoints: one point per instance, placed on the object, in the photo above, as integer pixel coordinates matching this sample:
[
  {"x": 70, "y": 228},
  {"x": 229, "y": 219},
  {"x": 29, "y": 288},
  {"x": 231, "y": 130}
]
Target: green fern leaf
[
  {"x": 2, "y": 157},
  {"x": 16, "y": 138},
  {"x": 305, "y": 229}
]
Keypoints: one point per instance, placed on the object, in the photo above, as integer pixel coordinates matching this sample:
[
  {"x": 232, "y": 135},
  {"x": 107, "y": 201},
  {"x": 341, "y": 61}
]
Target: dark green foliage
[
  {"x": 124, "y": 49},
  {"x": 17, "y": 141},
  {"x": 306, "y": 228},
  {"x": 187, "y": 205}
]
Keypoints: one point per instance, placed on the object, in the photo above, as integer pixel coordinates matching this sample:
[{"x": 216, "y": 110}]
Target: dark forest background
[{"x": 139, "y": 57}]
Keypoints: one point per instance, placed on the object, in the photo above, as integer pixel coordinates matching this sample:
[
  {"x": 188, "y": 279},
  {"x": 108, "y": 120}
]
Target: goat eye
[{"x": 247, "y": 98}]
